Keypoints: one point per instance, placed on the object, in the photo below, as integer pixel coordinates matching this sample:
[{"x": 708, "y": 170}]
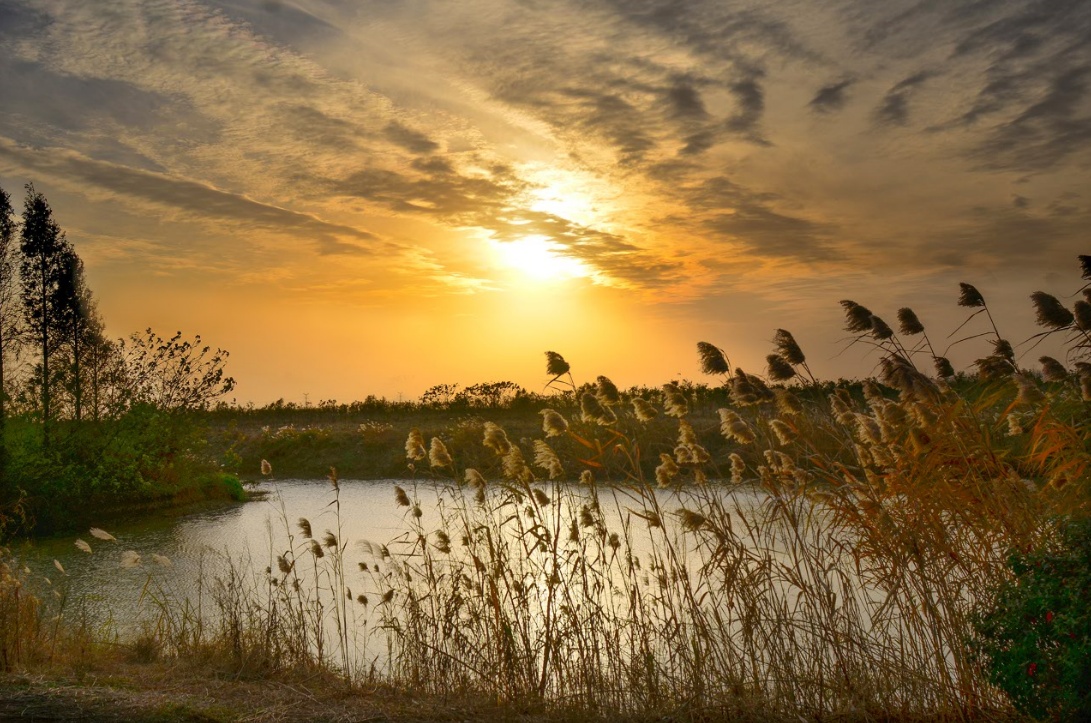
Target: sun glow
[{"x": 540, "y": 258}]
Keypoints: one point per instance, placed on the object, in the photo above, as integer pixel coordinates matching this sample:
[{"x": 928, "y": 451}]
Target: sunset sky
[{"x": 371, "y": 197}]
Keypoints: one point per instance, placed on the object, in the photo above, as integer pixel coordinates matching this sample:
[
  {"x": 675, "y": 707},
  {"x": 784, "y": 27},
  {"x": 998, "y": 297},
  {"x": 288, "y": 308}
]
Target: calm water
[
  {"x": 196, "y": 544},
  {"x": 121, "y": 600},
  {"x": 252, "y": 533}
]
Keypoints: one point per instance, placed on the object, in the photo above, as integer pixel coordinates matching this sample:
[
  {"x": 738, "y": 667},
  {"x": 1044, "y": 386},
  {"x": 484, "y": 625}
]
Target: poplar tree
[
  {"x": 9, "y": 308},
  {"x": 81, "y": 328},
  {"x": 44, "y": 252}
]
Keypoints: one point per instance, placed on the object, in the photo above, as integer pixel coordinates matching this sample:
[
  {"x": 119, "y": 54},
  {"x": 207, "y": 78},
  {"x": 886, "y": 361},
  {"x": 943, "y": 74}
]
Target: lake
[{"x": 114, "y": 597}]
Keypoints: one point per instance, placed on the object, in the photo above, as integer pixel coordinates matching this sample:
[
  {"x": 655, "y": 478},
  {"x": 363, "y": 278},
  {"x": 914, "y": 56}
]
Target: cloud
[
  {"x": 1011, "y": 235},
  {"x": 425, "y": 116},
  {"x": 409, "y": 139},
  {"x": 894, "y": 109},
  {"x": 832, "y": 97},
  {"x": 750, "y": 99},
  {"x": 684, "y": 101},
  {"x": 185, "y": 197},
  {"x": 1048, "y": 131},
  {"x": 495, "y": 204},
  {"x": 729, "y": 211}
]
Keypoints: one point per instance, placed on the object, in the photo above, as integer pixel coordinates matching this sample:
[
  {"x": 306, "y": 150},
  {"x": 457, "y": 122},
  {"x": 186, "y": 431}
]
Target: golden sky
[{"x": 371, "y": 197}]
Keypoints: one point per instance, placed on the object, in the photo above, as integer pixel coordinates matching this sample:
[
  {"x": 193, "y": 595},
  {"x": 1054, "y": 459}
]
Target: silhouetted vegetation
[{"x": 89, "y": 426}]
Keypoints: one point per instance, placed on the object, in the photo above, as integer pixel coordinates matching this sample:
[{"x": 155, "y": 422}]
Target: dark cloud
[
  {"x": 894, "y": 108},
  {"x": 893, "y": 111},
  {"x": 190, "y": 198},
  {"x": 309, "y": 124},
  {"x": 19, "y": 21},
  {"x": 735, "y": 213},
  {"x": 495, "y": 204},
  {"x": 1009, "y": 235},
  {"x": 1032, "y": 106},
  {"x": 445, "y": 195},
  {"x": 612, "y": 117},
  {"x": 720, "y": 30},
  {"x": 830, "y": 97},
  {"x": 411, "y": 140},
  {"x": 750, "y": 100},
  {"x": 1048, "y": 131},
  {"x": 684, "y": 101},
  {"x": 635, "y": 102},
  {"x": 699, "y": 142},
  {"x": 42, "y": 103},
  {"x": 282, "y": 22},
  {"x": 769, "y": 233}
]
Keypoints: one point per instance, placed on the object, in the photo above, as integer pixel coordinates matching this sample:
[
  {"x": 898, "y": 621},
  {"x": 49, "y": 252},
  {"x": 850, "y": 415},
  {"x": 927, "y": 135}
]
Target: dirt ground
[{"x": 170, "y": 695}]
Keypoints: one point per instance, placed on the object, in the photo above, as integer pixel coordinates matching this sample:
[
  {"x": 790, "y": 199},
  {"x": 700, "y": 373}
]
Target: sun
[{"x": 540, "y": 258}]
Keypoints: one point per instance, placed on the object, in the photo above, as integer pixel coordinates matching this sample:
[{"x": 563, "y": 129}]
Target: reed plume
[
  {"x": 666, "y": 471},
  {"x": 879, "y": 329},
  {"x": 553, "y": 424},
  {"x": 644, "y": 411},
  {"x": 732, "y": 426},
  {"x": 1052, "y": 370},
  {"x": 545, "y": 458},
  {"x": 496, "y": 439},
  {"x": 787, "y": 347},
  {"x": 779, "y": 368},
  {"x": 857, "y": 317},
  {"x": 674, "y": 401},
  {"x": 438, "y": 455},
  {"x": 1052, "y": 314},
  {"x": 788, "y": 403},
  {"x": 556, "y": 365},
  {"x": 474, "y": 478},
  {"x": 606, "y": 391},
  {"x": 738, "y": 468},
  {"x": 784, "y": 431},
  {"x": 908, "y": 323},
  {"x": 713, "y": 360},
  {"x": 943, "y": 367},
  {"x": 592, "y": 410},
  {"x": 414, "y": 445},
  {"x": 1083, "y": 315},
  {"x": 515, "y": 467},
  {"x": 969, "y": 296}
]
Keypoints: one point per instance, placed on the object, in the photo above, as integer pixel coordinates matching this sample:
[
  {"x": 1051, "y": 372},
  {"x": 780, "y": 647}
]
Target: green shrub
[{"x": 1035, "y": 637}]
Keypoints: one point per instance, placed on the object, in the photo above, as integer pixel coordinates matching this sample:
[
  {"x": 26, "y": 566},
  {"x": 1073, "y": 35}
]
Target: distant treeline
[{"x": 86, "y": 422}]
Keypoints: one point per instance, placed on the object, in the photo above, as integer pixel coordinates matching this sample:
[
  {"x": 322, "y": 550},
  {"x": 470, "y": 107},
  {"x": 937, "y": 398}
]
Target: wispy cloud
[
  {"x": 832, "y": 97},
  {"x": 184, "y": 197},
  {"x": 420, "y": 119},
  {"x": 894, "y": 108}
]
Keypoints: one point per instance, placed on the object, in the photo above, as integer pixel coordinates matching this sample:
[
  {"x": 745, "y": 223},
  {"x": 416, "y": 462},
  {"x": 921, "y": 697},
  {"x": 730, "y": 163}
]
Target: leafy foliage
[
  {"x": 1035, "y": 636},
  {"x": 175, "y": 374}
]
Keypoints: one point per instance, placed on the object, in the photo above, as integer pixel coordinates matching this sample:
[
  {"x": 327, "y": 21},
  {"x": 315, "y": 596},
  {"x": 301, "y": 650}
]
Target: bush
[{"x": 1035, "y": 637}]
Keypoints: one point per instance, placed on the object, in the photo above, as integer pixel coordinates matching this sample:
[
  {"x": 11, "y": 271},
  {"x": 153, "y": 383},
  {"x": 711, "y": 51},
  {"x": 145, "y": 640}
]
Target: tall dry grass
[{"x": 837, "y": 574}]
